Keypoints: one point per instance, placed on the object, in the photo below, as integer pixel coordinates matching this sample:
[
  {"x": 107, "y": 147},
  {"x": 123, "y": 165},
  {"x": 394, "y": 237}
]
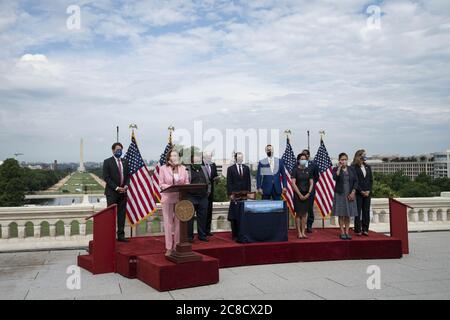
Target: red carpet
[{"x": 143, "y": 257}]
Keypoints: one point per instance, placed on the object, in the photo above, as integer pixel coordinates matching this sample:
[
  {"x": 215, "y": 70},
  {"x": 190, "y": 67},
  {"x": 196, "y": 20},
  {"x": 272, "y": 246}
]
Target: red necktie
[{"x": 120, "y": 172}]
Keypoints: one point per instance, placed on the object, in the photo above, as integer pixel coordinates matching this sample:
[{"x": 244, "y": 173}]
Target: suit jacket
[
  {"x": 235, "y": 182},
  {"x": 211, "y": 179},
  {"x": 364, "y": 183},
  {"x": 265, "y": 178},
  {"x": 353, "y": 179},
  {"x": 314, "y": 169},
  {"x": 167, "y": 180},
  {"x": 112, "y": 177}
]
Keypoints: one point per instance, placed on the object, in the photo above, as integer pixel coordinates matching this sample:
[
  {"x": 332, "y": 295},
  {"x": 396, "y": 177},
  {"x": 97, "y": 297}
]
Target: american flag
[
  {"x": 325, "y": 184},
  {"x": 156, "y": 188},
  {"x": 289, "y": 164},
  {"x": 140, "y": 200}
]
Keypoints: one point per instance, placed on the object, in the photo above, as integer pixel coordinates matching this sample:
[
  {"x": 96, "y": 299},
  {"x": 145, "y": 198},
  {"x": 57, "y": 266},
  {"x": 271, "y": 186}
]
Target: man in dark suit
[
  {"x": 363, "y": 192},
  {"x": 314, "y": 169},
  {"x": 271, "y": 176},
  {"x": 212, "y": 178},
  {"x": 238, "y": 179},
  {"x": 117, "y": 177}
]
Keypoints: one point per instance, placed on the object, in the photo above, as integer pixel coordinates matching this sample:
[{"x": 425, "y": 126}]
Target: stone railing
[{"x": 38, "y": 227}]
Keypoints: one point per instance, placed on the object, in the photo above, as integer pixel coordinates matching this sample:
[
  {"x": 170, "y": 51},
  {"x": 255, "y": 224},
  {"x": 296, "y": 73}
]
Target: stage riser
[
  {"x": 163, "y": 275},
  {"x": 284, "y": 253},
  {"x": 143, "y": 257}
]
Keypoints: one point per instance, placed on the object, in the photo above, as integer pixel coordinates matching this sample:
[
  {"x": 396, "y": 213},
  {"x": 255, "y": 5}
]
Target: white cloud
[{"x": 266, "y": 64}]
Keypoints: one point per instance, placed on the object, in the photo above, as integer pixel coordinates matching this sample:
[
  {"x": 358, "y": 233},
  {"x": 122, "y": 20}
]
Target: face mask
[
  {"x": 269, "y": 153},
  {"x": 303, "y": 162},
  {"x": 364, "y": 158},
  {"x": 118, "y": 153}
]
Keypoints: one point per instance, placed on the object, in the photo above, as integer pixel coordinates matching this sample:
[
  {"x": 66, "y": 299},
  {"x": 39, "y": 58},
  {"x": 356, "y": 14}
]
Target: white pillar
[
  {"x": 82, "y": 229},
  {"x": 425, "y": 215},
  {"x": 21, "y": 231},
  {"x": 67, "y": 230},
  {"x": 52, "y": 230},
  {"x": 37, "y": 230},
  {"x": 5, "y": 232}
]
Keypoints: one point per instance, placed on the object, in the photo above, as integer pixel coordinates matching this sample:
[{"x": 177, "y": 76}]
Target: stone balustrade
[{"x": 37, "y": 227}]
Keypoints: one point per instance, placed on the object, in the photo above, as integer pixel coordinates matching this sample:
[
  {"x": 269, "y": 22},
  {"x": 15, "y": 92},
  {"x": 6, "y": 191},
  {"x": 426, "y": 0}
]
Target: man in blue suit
[{"x": 271, "y": 176}]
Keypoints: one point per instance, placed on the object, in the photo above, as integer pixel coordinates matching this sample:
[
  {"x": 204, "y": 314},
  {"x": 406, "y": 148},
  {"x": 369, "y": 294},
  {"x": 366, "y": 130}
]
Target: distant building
[
  {"x": 436, "y": 165},
  {"x": 54, "y": 165}
]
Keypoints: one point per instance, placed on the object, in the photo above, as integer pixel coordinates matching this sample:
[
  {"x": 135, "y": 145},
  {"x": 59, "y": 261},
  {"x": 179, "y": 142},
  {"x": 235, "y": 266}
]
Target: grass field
[{"x": 78, "y": 182}]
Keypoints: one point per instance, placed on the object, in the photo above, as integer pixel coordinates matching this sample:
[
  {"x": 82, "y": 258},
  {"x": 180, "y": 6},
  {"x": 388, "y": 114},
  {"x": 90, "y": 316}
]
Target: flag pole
[
  {"x": 322, "y": 133},
  {"x": 132, "y": 126},
  {"x": 287, "y": 132},
  {"x": 307, "y": 132}
]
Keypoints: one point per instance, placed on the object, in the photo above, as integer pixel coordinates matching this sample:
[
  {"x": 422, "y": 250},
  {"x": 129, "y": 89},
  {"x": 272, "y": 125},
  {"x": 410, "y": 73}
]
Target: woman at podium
[{"x": 171, "y": 173}]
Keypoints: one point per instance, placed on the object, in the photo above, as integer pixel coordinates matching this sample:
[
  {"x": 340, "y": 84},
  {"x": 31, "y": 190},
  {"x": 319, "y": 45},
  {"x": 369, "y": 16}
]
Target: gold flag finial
[
  {"x": 132, "y": 126},
  {"x": 322, "y": 134},
  {"x": 287, "y": 132},
  {"x": 171, "y": 130}
]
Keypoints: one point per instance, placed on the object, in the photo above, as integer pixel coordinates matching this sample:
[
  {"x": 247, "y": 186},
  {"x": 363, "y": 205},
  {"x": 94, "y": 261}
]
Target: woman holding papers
[{"x": 170, "y": 174}]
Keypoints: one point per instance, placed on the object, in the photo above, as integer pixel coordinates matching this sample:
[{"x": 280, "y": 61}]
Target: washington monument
[{"x": 81, "y": 167}]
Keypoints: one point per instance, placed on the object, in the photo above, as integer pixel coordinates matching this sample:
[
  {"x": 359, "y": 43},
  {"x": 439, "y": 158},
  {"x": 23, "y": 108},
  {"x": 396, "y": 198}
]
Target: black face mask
[{"x": 269, "y": 153}]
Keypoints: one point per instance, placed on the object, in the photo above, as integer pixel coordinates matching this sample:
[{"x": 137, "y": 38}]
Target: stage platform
[{"x": 143, "y": 257}]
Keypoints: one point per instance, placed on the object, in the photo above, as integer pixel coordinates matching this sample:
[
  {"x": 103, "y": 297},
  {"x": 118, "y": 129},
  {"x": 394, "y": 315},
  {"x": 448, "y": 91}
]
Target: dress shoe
[
  {"x": 123, "y": 240},
  {"x": 349, "y": 237},
  {"x": 365, "y": 233},
  {"x": 309, "y": 230},
  {"x": 203, "y": 239},
  {"x": 209, "y": 234},
  {"x": 191, "y": 240}
]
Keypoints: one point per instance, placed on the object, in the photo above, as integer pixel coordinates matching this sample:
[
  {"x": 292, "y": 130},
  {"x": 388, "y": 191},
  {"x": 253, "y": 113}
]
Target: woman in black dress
[{"x": 302, "y": 183}]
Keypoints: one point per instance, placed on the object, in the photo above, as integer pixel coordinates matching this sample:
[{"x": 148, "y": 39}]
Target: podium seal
[{"x": 184, "y": 210}]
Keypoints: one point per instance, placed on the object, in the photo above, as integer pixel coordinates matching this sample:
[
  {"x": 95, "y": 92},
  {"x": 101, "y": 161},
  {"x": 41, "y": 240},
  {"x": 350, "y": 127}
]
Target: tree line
[{"x": 16, "y": 181}]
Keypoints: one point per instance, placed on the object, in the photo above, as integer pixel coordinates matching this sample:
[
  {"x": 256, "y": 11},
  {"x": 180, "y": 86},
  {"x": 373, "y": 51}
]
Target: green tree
[
  {"x": 12, "y": 186},
  {"x": 220, "y": 190}
]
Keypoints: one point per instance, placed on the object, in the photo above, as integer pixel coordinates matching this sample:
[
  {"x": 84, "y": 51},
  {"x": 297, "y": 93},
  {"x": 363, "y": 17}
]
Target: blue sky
[{"x": 302, "y": 65}]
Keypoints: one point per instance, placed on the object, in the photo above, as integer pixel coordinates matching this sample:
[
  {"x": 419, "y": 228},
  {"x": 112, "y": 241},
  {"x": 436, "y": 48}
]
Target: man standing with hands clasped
[
  {"x": 117, "y": 177},
  {"x": 271, "y": 176}
]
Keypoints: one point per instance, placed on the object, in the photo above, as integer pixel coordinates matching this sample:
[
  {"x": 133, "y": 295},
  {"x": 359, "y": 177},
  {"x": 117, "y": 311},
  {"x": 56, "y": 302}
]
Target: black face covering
[{"x": 269, "y": 153}]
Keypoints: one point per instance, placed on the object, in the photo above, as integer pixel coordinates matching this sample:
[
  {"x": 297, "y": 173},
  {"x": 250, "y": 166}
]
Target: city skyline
[{"x": 234, "y": 65}]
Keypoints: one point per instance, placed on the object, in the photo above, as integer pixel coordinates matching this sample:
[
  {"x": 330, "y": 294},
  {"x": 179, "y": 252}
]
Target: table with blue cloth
[{"x": 259, "y": 220}]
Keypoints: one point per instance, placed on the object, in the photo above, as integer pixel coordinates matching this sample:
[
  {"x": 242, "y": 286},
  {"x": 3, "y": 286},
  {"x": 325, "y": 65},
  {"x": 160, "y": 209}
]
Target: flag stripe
[{"x": 325, "y": 185}]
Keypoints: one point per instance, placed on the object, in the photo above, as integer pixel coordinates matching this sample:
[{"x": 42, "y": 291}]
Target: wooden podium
[
  {"x": 102, "y": 257},
  {"x": 398, "y": 220},
  {"x": 183, "y": 250}
]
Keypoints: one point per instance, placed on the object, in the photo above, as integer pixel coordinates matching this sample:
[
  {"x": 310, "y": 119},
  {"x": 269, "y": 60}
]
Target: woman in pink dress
[{"x": 171, "y": 173}]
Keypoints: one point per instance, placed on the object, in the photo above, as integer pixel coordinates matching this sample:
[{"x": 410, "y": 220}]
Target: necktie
[
  {"x": 119, "y": 162},
  {"x": 271, "y": 164},
  {"x": 240, "y": 171}
]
